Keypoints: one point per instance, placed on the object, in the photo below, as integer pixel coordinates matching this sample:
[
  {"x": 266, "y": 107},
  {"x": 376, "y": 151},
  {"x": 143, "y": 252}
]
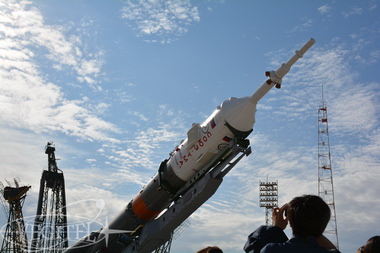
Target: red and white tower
[{"x": 325, "y": 177}]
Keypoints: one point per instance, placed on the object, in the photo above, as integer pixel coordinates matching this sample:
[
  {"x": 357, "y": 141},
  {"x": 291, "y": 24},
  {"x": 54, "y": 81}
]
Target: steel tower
[
  {"x": 15, "y": 238},
  {"x": 166, "y": 247},
  {"x": 50, "y": 224},
  {"x": 325, "y": 177},
  {"x": 268, "y": 199}
]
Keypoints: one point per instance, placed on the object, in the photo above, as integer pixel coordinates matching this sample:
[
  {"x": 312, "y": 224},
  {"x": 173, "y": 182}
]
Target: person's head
[
  {"x": 308, "y": 215},
  {"x": 371, "y": 246},
  {"x": 210, "y": 249}
]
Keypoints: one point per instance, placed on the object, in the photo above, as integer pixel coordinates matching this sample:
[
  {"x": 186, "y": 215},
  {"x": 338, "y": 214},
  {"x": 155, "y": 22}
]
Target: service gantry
[
  {"x": 50, "y": 224},
  {"x": 14, "y": 239},
  {"x": 325, "y": 176}
]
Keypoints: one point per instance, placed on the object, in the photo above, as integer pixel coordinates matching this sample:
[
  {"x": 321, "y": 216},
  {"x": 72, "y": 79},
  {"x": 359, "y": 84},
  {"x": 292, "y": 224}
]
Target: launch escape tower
[
  {"x": 268, "y": 199},
  {"x": 50, "y": 224},
  {"x": 325, "y": 178},
  {"x": 15, "y": 238}
]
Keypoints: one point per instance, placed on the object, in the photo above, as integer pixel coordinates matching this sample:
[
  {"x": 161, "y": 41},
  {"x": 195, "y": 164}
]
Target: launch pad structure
[
  {"x": 198, "y": 190},
  {"x": 15, "y": 238},
  {"x": 50, "y": 224}
]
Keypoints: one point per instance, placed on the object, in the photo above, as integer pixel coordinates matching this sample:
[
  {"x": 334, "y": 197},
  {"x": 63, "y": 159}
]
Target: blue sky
[{"x": 117, "y": 84}]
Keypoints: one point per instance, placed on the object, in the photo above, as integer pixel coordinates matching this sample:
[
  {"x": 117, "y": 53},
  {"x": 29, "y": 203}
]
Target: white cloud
[
  {"x": 357, "y": 103},
  {"x": 373, "y": 6},
  {"x": 24, "y": 26},
  {"x": 140, "y": 116},
  {"x": 27, "y": 99},
  {"x": 146, "y": 147},
  {"x": 307, "y": 23},
  {"x": 375, "y": 56},
  {"x": 324, "y": 9},
  {"x": 161, "y": 18},
  {"x": 353, "y": 11}
]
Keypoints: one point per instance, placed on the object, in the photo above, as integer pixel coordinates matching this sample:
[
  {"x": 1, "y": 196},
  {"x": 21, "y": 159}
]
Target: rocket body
[
  {"x": 203, "y": 142},
  {"x": 235, "y": 117}
]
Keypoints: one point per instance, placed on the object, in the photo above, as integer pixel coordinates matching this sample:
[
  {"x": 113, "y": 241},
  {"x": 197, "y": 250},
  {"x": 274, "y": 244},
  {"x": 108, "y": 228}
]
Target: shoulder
[
  {"x": 288, "y": 248},
  {"x": 263, "y": 236},
  {"x": 278, "y": 248},
  {"x": 272, "y": 231},
  {"x": 268, "y": 234}
]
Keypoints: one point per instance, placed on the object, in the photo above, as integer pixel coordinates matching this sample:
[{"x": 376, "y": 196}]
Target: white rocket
[
  {"x": 236, "y": 116},
  {"x": 233, "y": 119}
]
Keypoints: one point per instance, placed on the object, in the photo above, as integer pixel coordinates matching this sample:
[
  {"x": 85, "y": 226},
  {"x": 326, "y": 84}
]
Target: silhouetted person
[
  {"x": 371, "y": 246},
  {"x": 307, "y": 215}
]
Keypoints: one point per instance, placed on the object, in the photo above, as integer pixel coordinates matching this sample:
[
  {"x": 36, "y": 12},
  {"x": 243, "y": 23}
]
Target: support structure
[
  {"x": 15, "y": 238},
  {"x": 268, "y": 199},
  {"x": 50, "y": 224},
  {"x": 166, "y": 247},
  {"x": 325, "y": 177},
  {"x": 198, "y": 190}
]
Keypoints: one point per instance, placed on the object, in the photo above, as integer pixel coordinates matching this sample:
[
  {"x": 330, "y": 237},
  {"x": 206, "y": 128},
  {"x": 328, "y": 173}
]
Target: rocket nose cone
[{"x": 239, "y": 113}]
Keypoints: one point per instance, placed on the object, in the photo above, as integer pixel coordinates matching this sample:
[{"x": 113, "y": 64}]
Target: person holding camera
[{"x": 307, "y": 215}]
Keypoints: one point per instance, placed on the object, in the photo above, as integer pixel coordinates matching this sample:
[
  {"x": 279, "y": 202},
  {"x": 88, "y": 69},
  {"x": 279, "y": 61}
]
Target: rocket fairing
[{"x": 234, "y": 118}]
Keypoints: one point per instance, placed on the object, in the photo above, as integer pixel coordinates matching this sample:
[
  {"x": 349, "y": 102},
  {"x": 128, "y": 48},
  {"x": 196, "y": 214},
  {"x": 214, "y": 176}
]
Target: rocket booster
[{"x": 234, "y": 118}]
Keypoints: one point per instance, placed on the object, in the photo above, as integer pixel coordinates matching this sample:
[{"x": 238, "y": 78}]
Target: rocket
[{"x": 233, "y": 119}]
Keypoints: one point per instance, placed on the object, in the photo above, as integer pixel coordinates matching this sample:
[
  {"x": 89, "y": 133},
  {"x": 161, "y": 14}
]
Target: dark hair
[
  {"x": 308, "y": 215},
  {"x": 209, "y": 249},
  {"x": 372, "y": 245}
]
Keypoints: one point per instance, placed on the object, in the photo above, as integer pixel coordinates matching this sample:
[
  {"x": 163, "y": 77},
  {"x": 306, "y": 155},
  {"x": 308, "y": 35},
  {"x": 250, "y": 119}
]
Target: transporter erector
[{"x": 185, "y": 180}]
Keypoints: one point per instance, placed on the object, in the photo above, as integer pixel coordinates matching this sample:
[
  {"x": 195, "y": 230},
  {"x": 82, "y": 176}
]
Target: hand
[{"x": 278, "y": 217}]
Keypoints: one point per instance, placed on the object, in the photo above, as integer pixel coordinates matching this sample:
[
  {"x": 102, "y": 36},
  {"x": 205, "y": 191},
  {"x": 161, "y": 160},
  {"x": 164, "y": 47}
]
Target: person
[
  {"x": 371, "y": 246},
  {"x": 210, "y": 249},
  {"x": 307, "y": 216}
]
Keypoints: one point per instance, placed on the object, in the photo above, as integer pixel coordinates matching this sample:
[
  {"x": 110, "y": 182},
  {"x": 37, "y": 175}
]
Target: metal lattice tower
[
  {"x": 50, "y": 224},
  {"x": 268, "y": 199},
  {"x": 166, "y": 247},
  {"x": 15, "y": 238},
  {"x": 325, "y": 177}
]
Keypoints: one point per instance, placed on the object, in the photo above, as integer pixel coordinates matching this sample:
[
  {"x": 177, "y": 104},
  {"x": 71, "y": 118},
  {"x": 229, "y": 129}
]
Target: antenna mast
[{"x": 325, "y": 178}]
